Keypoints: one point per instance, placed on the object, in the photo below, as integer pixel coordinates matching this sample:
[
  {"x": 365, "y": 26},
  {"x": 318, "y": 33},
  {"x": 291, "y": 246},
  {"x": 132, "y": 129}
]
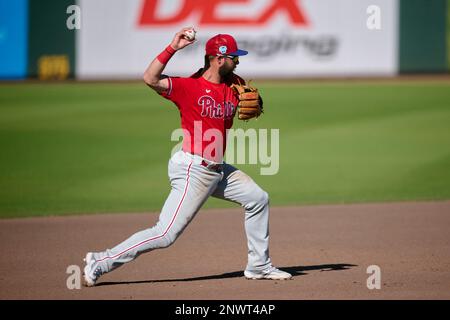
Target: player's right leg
[
  {"x": 236, "y": 186},
  {"x": 191, "y": 186}
]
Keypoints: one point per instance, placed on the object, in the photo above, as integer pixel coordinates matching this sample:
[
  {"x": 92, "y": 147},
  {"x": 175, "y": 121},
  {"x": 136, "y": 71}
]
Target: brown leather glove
[{"x": 250, "y": 102}]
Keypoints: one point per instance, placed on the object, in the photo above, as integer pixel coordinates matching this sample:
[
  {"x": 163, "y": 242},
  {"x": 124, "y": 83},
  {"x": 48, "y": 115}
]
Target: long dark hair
[
  {"x": 207, "y": 63},
  {"x": 206, "y": 66}
]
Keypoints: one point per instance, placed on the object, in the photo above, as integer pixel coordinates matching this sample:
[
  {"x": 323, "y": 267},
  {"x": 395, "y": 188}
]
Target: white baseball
[{"x": 190, "y": 34}]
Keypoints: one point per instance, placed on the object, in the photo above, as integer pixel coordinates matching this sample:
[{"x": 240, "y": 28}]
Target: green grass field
[{"x": 87, "y": 147}]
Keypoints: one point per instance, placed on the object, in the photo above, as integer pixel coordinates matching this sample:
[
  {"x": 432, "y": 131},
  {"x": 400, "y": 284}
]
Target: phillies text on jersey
[{"x": 204, "y": 106}]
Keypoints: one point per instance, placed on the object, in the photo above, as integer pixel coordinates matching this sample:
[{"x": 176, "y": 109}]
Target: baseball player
[{"x": 207, "y": 102}]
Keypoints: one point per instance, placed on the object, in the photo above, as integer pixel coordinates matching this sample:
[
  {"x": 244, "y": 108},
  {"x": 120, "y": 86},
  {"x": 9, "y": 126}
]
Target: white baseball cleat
[
  {"x": 271, "y": 273},
  {"x": 92, "y": 270}
]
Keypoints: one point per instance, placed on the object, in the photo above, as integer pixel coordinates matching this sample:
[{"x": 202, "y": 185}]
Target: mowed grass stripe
[{"x": 88, "y": 147}]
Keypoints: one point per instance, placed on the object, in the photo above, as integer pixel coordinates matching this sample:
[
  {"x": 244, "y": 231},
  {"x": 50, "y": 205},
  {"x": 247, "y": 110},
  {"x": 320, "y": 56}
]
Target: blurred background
[
  {"x": 115, "y": 39},
  {"x": 359, "y": 90}
]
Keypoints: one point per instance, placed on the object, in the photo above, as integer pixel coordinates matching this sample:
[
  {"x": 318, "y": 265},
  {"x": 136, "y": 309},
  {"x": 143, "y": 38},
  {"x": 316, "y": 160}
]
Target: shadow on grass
[{"x": 295, "y": 271}]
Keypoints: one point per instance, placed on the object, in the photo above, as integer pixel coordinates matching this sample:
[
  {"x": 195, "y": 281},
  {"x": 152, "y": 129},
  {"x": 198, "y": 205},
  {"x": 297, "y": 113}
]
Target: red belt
[{"x": 213, "y": 167}]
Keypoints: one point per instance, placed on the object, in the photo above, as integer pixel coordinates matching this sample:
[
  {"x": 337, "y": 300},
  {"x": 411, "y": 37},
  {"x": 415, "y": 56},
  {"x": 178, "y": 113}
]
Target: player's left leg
[{"x": 236, "y": 186}]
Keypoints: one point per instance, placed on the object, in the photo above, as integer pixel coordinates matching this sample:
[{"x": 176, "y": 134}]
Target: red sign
[{"x": 208, "y": 13}]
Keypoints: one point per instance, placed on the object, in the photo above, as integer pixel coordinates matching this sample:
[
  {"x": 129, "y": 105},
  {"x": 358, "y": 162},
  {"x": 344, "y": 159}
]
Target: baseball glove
[{"x": 250, "y": 102}]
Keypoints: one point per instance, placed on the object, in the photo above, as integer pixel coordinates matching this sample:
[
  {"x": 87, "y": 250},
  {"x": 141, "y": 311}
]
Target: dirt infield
[{"x": 327, "y": 248}]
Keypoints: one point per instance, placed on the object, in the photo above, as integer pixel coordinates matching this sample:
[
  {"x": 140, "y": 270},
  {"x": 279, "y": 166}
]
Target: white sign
[{"x": 285, "y": 38}]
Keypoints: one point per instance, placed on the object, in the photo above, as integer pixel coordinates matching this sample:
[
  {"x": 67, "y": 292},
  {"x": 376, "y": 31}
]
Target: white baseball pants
[{"x": 192, "y": 184}]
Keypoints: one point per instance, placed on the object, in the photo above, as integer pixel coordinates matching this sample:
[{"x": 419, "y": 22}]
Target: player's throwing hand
[{"x": 180, "y": 40}]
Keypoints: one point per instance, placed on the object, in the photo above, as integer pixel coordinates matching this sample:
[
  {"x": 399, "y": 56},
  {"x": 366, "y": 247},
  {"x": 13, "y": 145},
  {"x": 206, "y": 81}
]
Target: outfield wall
[
  {"x": 423, "y": 28},
  {"x": 286, "y": 38},
  {"x": 51, "y": 45}
]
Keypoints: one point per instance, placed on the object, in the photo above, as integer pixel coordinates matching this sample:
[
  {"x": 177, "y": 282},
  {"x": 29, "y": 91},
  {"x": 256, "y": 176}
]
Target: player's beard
[{"x": 226, "y": 69}]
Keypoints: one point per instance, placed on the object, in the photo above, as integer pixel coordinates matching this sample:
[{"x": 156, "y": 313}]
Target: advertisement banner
[{"x": 285, "y": 38}]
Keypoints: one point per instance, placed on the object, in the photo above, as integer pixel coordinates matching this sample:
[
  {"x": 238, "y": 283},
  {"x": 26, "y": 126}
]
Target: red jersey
[{"x": 207, "y": 110}]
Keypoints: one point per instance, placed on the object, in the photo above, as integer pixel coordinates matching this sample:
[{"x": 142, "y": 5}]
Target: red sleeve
[{"x": 177, "y": 90}]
